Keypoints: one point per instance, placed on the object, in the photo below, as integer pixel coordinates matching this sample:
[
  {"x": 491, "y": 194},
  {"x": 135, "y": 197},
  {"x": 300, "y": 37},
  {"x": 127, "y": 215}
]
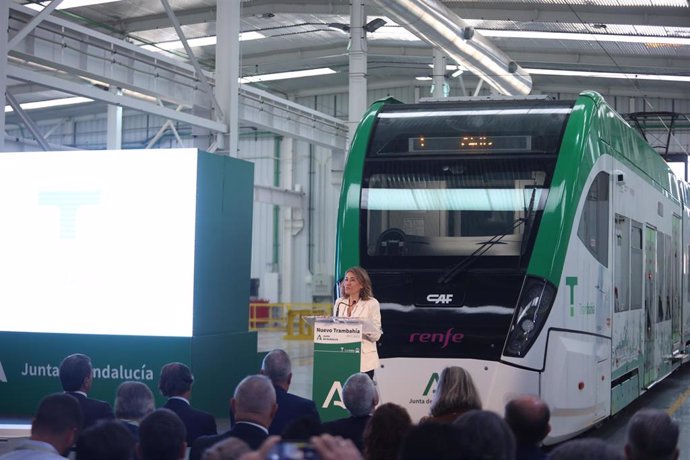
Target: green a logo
[
  {"x": 433, "y": 380},
  {"x": 336, "y": 389}
]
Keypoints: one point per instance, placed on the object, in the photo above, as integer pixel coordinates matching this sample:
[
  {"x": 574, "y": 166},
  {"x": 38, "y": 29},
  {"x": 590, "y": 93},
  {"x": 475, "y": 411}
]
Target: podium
[{"x": 337, "y": 355}]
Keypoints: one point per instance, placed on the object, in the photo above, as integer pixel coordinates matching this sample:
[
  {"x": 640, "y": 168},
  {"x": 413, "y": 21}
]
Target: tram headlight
[{"x": 533, "y": 308}]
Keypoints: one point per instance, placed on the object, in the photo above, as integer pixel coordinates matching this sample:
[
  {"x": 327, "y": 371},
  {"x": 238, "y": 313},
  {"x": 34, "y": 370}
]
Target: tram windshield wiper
[{"x": 458, "y": 268}]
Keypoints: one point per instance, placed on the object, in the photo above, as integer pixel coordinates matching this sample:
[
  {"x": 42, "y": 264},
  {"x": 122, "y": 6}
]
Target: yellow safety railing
[{"x": 286, "y": 317}]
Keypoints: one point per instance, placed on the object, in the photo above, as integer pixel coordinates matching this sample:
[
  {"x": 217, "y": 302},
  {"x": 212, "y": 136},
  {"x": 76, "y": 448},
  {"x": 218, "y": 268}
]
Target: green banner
[{"x": 337, "y": 351}]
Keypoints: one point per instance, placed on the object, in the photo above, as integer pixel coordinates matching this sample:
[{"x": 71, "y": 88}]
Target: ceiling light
[
  {"x": 339, "y": 26},
  {"x": 583, "y": 37},
  {"x": 374, "y": 25},
  {"x": 423, "y": 78},
  {"x": 66, "y": 4},
  {"x": 619, "y": 75},
  {"x": 50, "y": 103},
  {"x": 287, "y": 75}
]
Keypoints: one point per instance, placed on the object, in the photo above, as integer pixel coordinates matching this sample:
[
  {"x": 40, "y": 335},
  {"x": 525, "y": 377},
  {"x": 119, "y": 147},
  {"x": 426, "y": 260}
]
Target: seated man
[
  {"x": 276, "y": 366},
  {"x": 360, "y": 398},
  {"x": 254, "y": 405},
  {"x": 176, "y": 384},
  {"x": 76, "y": 377},
  {"x": 162, "y": 436},
  {"x": 133, "y": 402},
  {"x": 652, "y": 434},
  {"x": 106, "y": 440},
  {"x": 528, "y": 418},
  {"x": 53, "y": 431}
]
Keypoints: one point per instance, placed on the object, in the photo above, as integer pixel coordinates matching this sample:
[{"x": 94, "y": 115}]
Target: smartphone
[{"x": 293, "y": 450}]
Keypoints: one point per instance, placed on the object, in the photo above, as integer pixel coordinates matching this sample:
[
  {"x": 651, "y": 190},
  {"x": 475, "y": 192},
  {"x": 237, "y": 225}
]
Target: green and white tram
[{"x": 540, "y": 244}]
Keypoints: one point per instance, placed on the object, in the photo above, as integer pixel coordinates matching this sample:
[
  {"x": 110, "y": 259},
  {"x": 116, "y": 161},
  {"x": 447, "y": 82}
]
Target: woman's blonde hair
[
  {"x": 363, "y": 278},
  {"x": 455, "y": 392}
]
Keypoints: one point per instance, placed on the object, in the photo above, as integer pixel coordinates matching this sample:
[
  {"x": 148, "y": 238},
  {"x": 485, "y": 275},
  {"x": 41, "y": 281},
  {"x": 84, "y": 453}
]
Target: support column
[
  {"x": 228, "y": 71},
  {"x": 114, "y": 124},
  {"x": 287, "y": 241},
  {"x": 358, "y": 68},
  {"x": 4, "y": 21},
  {"x": 439, "y": 75}
]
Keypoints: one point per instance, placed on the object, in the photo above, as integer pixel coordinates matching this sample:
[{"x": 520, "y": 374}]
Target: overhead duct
[{"x": 435, "y": 23}]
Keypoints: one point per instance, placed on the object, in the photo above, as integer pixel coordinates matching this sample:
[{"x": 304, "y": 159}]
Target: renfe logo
[
  {"x": 437, "y": 337},
  {"x": 440, "y": 298}
]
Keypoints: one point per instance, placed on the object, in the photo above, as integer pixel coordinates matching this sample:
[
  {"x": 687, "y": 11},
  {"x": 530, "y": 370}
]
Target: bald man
[
  {"x": 254, "y": 406},
  {"x": 528, "y": 418}
]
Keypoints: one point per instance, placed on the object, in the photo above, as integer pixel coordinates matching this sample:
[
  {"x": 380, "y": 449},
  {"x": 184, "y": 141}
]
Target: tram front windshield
[{"x": 443, "y": 184}]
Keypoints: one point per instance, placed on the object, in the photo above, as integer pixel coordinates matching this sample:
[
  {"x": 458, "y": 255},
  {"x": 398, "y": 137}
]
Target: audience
[
  {"x": 133, "y": 402},
  {"x": 385, "y": 431},
  {"x": 431, "y": 441},
  {"x": 652, "y": 435},
  {"x": 262, "y": 405},
  {"x": 76, "y": 377},
  {"x": 277, "y": 367},
  {"x": 360, "y": 398},
  {"x": 455, "y": 395},
  {"x": 586, "y": 449},
  {"x": 254, "y": 405},
  {"x": 162, "y": 436},
  {"x": 528, "y": 418},
  {"x": 106, "y": 440},
  {"x": 176, "y": 384},
  {"x": 484, "y": 435},
  {"x": 53, "y": 431}
]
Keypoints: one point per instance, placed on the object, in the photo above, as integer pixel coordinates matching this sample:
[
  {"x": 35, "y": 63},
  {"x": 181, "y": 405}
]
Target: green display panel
[
  {"x": 337, "y": 352},
  {"x": 135, "y": 258}
]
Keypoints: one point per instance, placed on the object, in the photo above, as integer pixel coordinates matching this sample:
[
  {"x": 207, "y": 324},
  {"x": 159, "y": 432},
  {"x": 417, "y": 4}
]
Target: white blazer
[{"x": 371, "y": 310}]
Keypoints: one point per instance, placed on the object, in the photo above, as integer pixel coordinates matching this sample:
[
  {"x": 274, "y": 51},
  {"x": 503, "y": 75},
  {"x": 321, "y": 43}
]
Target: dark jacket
[
  {"x": 291, "y": 407},
  {"x": 198, "y": 423},
  {"x": 252, "y": 435},
  {"x": 92, "y": 410},
  {"x": 349, "y": 428}
]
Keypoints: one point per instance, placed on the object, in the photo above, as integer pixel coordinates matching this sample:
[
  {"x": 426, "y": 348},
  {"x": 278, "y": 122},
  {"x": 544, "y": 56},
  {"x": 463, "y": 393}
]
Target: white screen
[{"x": 98, "y": 242}]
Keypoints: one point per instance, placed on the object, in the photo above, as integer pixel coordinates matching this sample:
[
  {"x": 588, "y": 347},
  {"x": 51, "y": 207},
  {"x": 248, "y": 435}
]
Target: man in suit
[
  {"x": 76, "y": 377},
  {"x": 528, "y": 418},
  {"x": 276, "y": 366},
  {"x": 360, "y": 398},
  {"x": 53, "y": 431},
  {"x": 133, "y": 402},
  {"x": 162, "y": 437},
  {"x": 176, "y": 384},
  {"x": 254, "y": 406}
]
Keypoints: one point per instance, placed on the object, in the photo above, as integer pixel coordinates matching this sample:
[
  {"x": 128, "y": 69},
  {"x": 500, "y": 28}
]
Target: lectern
[{"x": 337, "y": 354}]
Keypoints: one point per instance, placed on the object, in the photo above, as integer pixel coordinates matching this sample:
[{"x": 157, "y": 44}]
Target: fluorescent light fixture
[
  {"x": 583, "y": 37},
  {"x": 474, "y": 112},
  {"x": 50, "y": 103},
  {"x": 66, "y": 4},
  {"x": 452, "y": 67},
  {"x": 619, "y": 75},
  {"x": 200, "y": 41},
  {"x": 488, "y": 199},
  {"x": 423, "y": 78},
  {"x": 287, "y": 75}
]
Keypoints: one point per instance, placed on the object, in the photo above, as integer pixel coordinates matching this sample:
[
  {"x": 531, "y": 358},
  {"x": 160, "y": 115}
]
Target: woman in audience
[
  {"x": 385, "y": 431},
  {"x": 455, "y": 395}
]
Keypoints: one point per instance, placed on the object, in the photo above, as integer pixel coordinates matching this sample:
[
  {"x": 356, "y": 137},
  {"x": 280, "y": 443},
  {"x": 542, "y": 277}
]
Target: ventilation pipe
[{"x": 435, "y": 23}]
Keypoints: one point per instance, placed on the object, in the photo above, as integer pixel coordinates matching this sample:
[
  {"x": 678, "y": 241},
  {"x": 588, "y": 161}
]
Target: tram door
[{"x": 650, "y": 305}]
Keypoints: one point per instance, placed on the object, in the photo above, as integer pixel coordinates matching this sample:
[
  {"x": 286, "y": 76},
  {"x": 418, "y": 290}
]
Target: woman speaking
[{"x": 357, "y": 301}]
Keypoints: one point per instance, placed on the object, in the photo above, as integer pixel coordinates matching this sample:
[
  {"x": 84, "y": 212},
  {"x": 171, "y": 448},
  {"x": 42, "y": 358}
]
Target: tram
[{"x": 540, "y": 244}]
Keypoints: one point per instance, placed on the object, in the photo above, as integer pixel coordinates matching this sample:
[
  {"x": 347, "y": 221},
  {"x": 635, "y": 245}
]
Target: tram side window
[
  {"x": 593, "y": 230},
  {"x": 636, "y": 268}
]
